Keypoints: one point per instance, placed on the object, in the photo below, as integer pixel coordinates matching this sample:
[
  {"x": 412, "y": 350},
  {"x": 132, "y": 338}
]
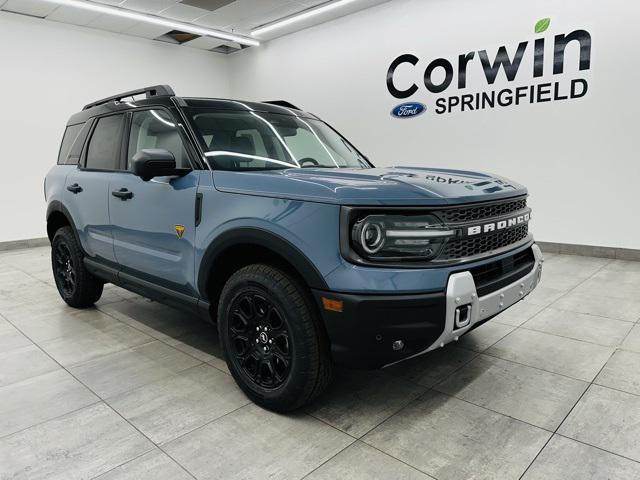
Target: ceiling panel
[
  {"x": 146, "y": 30},
  {"x": 36, "y": 8},
  {"x": 75, "y": 16},
  {"x": 183, "y": 13},
  {"x": 241, "y": 10},
  {"x": 148, "y": 6},
  {"x": 111, "y": 23},
  {"x": 204, "y": 43}
]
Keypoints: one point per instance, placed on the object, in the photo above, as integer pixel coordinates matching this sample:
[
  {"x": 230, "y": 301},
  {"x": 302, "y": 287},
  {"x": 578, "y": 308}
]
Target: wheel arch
[
  {"x": 239, "y": 247},
  {"x": 58, "y": 216}
]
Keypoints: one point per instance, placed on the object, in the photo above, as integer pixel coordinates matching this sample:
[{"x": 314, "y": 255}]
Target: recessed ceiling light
[
  {"x": 300, "y": 16},
  {"x": 165, "y": 22}
]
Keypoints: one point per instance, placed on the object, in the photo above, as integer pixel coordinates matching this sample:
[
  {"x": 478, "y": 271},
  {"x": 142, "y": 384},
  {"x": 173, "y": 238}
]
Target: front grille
[
  {"x": 495, "y": 275},
  {"x": 480, "y": 212},
  {"x": 471, "y": 246}
]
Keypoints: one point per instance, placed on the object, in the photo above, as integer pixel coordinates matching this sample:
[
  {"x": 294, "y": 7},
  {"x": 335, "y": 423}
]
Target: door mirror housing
[{"x": 155, "y": 162}]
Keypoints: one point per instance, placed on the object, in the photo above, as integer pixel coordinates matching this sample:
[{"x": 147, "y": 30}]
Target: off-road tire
[
  {"x": 310, "y": 370},
  {"x": 86, "y": 289}
]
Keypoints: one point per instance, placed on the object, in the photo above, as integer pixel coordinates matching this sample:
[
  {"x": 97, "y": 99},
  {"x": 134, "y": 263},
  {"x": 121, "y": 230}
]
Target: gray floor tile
[
  {"x": 580, "y": 326},
  {"x": 128, "y": 369},
  {"x": 101, "y": 338},
  {"x": 41, "y": 398},
  {"x": 173, "y": 406},
  {"x": 202, "y": 344},
  {"x": 518, "y": 314},
  {"x": 451, "y": 439},
  {"x": 567, "y": 459},
  {"x": 623, "y": 266},
  {"x": 544, "y": 296},
  {"x": 555, "y": 354},
  {"x": 614, "y": 284},
  {"x": 607, "y": 419},
  {"x": 357, "y": 401},
  {"x": 482, "y": 337},
  {"x": 621, "y": 372},
  {"x": 155, "y": 319},
  {"x": 22, "y": 363},
  {"x": 154, "y": 465},
  {"x": 11, "y": 338},
  {"x": 250, "y": 443},
  {"x": 627, "y": 309},
  {"x": 525, "y": 393},
  {"x": 432, "y": 367},
  {"x": 61, "y": 322},
  {"x": 79, "y": 445},
  {"x": 632, "y": 342},
  {"x": 361, "y": 462}
]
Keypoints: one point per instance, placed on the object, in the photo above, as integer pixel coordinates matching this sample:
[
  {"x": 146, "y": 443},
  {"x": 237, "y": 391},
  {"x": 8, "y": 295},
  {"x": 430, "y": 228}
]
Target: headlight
[{"x": 399, "y": 237}]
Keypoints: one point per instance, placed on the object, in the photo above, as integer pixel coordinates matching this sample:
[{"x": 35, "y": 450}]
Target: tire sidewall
[{"x": 302, "y": 348}]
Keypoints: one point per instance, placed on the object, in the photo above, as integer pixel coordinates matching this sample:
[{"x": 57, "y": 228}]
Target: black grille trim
[
  {"x": 496, "y": 275},
  {"x": 481, "y": 212}
]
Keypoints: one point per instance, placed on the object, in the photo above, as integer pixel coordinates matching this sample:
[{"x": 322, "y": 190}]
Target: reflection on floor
[{"x": 133, "y": 389}]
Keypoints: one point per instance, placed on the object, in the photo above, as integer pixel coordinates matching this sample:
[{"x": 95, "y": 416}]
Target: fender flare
[
  {"x": 266, "y": 239},
  {"x": 55, "y": 206}
]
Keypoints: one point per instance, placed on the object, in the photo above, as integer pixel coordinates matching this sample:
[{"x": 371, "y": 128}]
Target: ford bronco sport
[{"x": 269, "y": 223}]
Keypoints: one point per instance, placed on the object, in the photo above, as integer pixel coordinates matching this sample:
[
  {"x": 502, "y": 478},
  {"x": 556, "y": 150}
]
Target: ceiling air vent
[
  {"x": 178, "y": 37},
  {"x": 227, "y": 49},
  {"x": 210, "y": 5}
]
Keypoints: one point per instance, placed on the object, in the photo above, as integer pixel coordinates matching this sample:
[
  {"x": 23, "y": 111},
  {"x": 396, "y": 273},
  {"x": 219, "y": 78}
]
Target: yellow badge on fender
[{"x": 180, "y": 230}]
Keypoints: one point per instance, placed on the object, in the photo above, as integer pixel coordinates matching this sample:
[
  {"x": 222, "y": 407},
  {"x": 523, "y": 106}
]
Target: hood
[{"x": 374, "y": 186}]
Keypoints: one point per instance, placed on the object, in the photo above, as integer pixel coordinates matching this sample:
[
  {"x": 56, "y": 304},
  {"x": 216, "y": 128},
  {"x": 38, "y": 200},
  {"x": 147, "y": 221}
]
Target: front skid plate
[{"x": 461, "y": 290}]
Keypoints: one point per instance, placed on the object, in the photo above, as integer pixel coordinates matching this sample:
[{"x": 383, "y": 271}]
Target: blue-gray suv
[{"x": 269, "y": 223}]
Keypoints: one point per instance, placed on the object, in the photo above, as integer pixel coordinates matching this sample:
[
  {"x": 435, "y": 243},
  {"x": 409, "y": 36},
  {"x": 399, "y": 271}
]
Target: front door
[{"x": 154, "y": 223}]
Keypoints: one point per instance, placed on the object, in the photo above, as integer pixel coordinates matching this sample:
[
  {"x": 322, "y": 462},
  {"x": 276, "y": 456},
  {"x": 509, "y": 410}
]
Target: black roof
[{"x": 163, "y": 95}]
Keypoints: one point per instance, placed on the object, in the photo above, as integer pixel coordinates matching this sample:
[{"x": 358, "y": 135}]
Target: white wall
[
  {"x": 579, "y": 157},
  {"x": 48, "y": 71}
]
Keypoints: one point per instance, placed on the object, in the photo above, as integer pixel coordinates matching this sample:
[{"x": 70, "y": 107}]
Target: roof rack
[
  {"x": 155, "y": 91},
  {"x": 282, "y": 103}
]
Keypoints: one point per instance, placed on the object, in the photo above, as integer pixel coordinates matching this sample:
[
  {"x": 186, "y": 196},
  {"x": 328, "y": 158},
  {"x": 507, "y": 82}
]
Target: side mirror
[{"x": 155, "y": 162}]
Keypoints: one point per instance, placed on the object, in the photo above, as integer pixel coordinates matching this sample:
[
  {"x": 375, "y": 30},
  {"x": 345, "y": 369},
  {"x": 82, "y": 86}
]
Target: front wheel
[
  {"x": 274, "y": 345},
  {"x": 75, "y": 283}
]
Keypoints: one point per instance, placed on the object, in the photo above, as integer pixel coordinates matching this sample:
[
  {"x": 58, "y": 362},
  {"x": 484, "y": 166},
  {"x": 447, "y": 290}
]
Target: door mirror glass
[{"x": 155, "y": 162}]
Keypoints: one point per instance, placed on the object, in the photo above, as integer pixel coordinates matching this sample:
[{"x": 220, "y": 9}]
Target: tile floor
[{"x": 133, "y": 390}]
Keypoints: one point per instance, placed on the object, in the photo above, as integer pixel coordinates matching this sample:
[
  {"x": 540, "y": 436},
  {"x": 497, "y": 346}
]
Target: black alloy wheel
[
  {"x": 64, "y": 269},
  {"x": 260, "y": 340}
]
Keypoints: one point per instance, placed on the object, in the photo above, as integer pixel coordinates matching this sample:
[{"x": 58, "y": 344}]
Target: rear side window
[
  {"x": 70, "y": 135},
  {"x": 104, "y": 146}
]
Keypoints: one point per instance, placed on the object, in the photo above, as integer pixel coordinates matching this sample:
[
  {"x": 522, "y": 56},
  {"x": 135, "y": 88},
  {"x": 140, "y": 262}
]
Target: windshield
[{"x": 243, "y": 140}]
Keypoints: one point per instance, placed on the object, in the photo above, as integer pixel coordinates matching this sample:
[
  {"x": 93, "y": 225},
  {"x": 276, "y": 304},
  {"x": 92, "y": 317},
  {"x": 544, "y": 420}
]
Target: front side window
[
  {"x": 104, "y": 146},
  {"x": 243, "y": 140},
  {"x": 156, "y": 129}
]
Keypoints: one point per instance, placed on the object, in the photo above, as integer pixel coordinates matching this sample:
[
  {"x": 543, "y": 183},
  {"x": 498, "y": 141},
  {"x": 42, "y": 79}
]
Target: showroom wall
[
  {"x": 578, "y": 156},
  {"x": 48, "y": 72}
]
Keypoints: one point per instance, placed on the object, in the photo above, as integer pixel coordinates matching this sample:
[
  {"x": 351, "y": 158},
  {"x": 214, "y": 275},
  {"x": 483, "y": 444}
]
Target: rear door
[
  {"x": 154, "y": 229},
  {"x": 87, "y": 187}
]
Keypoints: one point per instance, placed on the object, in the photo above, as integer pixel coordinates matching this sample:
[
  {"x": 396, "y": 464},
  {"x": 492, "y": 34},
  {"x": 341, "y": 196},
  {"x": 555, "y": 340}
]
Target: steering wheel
[{"x": 310, "y": 160}]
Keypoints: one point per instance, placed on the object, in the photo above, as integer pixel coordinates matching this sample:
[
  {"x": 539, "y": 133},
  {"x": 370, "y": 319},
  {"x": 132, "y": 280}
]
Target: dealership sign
[{"x": 450, "y": 78}]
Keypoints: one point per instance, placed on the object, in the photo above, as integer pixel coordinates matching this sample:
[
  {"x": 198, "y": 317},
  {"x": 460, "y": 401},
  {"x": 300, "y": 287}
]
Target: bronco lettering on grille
[{"x": 499, "y": 225}]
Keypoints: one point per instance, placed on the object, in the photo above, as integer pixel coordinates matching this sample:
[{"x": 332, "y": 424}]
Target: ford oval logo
[{"x": 408, "y": 110}]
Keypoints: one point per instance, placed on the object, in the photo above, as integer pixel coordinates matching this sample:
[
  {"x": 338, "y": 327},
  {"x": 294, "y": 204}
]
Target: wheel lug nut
[
  {"x": 257, "y": 329},
  {"x": 257, "y": 340},
  {"x": 270, "y": 341}
]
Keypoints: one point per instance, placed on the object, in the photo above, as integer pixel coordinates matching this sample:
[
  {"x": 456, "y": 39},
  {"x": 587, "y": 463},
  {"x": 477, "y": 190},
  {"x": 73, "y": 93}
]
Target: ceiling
[{"x": 233, "y": 16}]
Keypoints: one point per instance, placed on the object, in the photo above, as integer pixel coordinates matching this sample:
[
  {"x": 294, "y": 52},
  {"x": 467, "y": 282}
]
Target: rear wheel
[
  {"x": 274, "y": 345},
  {"x": 77, "y": 287}
]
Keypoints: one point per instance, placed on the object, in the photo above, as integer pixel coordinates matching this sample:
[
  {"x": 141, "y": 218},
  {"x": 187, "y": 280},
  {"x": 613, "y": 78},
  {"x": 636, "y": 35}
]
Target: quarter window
[
  {"x": 156, "y": 129},
  {"x": 70, "y": 135},
  {"x": 104, "y": 146}
]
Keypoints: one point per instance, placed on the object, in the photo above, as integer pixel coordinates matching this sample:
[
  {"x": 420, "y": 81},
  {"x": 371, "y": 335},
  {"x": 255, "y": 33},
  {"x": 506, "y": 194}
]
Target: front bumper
[{"x": 363, "y": 335}]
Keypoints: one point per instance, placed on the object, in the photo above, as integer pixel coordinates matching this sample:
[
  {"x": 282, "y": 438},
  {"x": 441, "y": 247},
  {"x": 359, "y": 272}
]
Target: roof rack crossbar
[
  {"x": 154, "y": 91},
  {"x": 282, "y": 103}
]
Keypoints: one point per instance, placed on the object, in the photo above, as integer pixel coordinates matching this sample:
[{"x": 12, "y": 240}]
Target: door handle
[
  {"x": 75, "y": 188},
  {"x": 123, "y": 194}
]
